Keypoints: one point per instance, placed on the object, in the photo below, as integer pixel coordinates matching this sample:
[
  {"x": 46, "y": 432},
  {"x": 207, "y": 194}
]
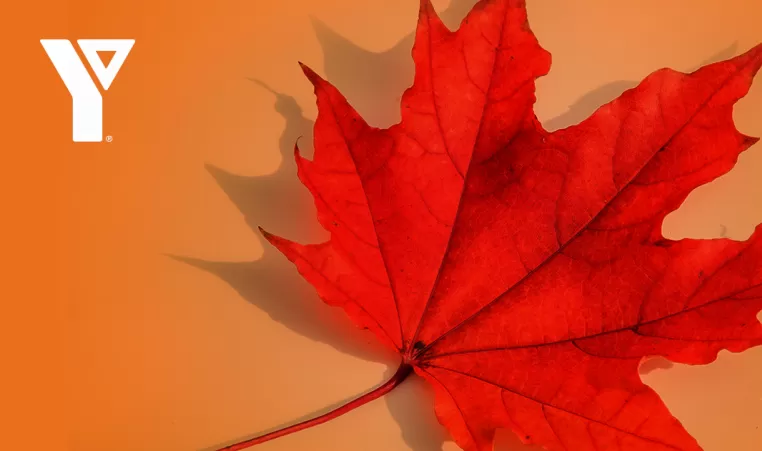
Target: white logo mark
[{"x": 87, "y": 102}]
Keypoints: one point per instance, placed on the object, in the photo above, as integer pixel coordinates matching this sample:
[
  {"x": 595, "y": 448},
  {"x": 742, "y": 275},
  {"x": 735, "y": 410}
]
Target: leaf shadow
[
  {"x": 278, "y": 202},
  {"x": 373, "y": 82},
  {"x": 588, "y": 103}
]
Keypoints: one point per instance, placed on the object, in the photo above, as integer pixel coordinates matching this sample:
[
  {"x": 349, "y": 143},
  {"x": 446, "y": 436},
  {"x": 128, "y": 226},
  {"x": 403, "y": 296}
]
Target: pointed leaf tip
[
  {"x": 756, "y": 55},
  {"x": 268, "y": 236},
  {"x": 426, "y": 9},
  {"x": 296, "y": 148},
  {"x": 280, "y": 243},
  {"x": 750, "y": 141},
  {"x": 750, "y": 60},
  {"x": 311, "y": 74}
]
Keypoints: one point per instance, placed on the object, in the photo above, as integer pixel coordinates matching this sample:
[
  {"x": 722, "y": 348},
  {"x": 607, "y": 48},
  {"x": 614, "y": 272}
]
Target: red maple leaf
[{"x": 524, "y": 273}]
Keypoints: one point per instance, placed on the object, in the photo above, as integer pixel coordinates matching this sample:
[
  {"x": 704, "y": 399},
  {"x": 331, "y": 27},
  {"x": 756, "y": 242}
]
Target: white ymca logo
[{"x": 87, "y": 102}]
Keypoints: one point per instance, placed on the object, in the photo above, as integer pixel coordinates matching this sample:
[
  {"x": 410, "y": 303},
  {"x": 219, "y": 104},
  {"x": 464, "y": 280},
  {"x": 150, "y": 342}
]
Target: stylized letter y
[{"x": 87, "y": 103}]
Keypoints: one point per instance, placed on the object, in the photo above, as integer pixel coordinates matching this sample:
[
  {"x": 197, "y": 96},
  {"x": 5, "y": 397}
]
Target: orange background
[{"x": 113, "y": 344}]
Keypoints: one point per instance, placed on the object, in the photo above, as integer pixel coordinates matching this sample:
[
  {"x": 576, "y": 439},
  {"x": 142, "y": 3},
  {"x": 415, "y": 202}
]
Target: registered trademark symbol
[{"x": 109, "y": 138}]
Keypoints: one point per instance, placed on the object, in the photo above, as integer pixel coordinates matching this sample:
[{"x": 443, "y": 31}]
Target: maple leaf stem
[{"x": 402, "y": 373}]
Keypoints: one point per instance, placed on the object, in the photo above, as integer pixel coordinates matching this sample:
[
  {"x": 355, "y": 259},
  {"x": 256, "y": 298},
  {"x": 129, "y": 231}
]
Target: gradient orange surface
[{"x": 112, "y": 343}]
